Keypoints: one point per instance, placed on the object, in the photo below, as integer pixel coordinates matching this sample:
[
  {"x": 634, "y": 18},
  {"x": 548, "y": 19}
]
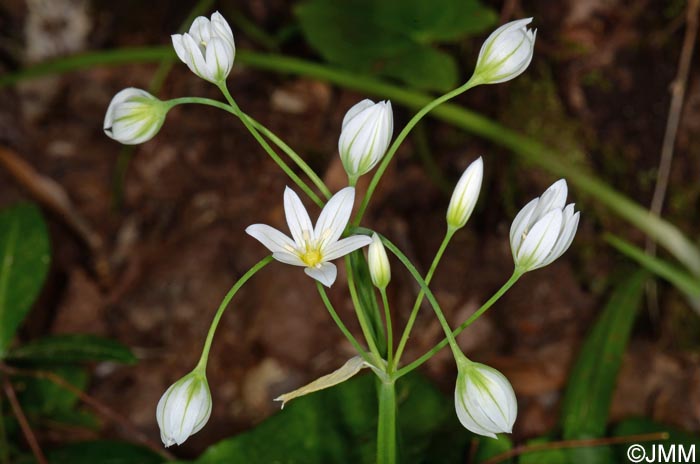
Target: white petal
[
  {"x": 345, "y": 246},
  {"x": 196, "y": 64},
  {"x": 184, "y": 56},
  {"x": 334, "y": 218},
  {"x": 520, "y": 224},
  {"x": 552, "y": 198},
  {"x": 297, "y": 218},
  {"x": 273, "y": 239},
  {"x": 221, "y": 28},
  {"x": 324, "y": 273},
  {"x": 566, "y": 237},
  {"x": 466, "y": 419},
  {"x": 200, "y": 30},
  {"x": 540, "y": 240},
  {"x": 288, "y": 258},
  {"x": 356, "y": 109},
  {"x": 219, "y": 59}
]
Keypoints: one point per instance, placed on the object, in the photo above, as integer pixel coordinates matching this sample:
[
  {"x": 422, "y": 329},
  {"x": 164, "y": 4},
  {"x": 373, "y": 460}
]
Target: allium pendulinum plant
[{"x": 484, "y": 399}]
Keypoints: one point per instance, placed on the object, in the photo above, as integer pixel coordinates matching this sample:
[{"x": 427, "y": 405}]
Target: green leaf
[
  {"x": 338, "y": 425},
  {"x": 393, "y": 37},
  {"x": 42, "y": 397},
  {"x": 24, "y": 263},
  {"x": 592, "y": 380},
  {"x": 72, "y": 348},
  {"x": 682, "y": 280},
  {"x": 101, "y": 452}
]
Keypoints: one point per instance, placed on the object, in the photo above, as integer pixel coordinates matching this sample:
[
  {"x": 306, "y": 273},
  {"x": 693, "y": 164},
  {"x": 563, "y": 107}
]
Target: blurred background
[{"x": 145, "y": 241}]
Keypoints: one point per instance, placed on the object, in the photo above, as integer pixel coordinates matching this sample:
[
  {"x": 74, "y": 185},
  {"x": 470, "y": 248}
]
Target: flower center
[{"x": 311, "y": 257}]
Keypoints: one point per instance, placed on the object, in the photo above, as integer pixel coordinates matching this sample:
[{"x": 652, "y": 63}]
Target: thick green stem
[
  {"x": 386, "y": 426},
  {"x": 266, "y": 146},
  {"x": 359, "y": 310},
  {"x": 418, "y": 362},
  {"x": 389, "y": 329},
  {"x": 402, "y": 136},
  {"x": 419, "y": 300},
  {"x": 334, "y": 315},
  {"x": 202, "y": 364}
]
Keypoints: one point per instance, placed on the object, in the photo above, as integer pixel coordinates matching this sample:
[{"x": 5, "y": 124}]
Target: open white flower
[
  {"x": 312, "y": 247},
  {"x": 208, "y": 48},
  {"x": 543, "y": 230}
]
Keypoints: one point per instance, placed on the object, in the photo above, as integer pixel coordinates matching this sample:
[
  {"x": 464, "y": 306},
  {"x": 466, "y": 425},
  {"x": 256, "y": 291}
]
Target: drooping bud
[
  {"x": 543, "y": 230},
  {"x": 484, "y": 400},
  {"x": 378, "y": 262},
  {"x": 184, "y": 408},
  {"x": 208, "y": 48},
  {"x": 134, "y": 116},
  {"x": 365, "y": 136},
  {"x": 465, "y": 195},
  {"x": 506, "y": 53}
]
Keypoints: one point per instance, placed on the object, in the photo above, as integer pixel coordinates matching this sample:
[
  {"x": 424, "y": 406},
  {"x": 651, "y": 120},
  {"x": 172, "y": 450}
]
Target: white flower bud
[
  {"x": 208, "y": 49},
  {"x": 184, "y": 408},
  {"x": 378, "y": 262},
  {"x": 134, "y": 116},
  {"x": 465, "y": 195},
  {"x": 506, "y": 53},
  {"x": 543, "y": 230},
  {"x": 484, "y": 400},
  {"x": 365, "y": 136}
]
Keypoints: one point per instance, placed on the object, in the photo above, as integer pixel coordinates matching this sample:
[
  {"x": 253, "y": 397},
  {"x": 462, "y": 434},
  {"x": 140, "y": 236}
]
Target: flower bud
[
  {"x": 484, "y": 400},
  {"x": 465, "y": 195},
  {"x": 543, "y": 230},
  {"x": 365, "y": 136},
  {"x": 379, "y": 269},
  {"x": 208, "y": 48},
  {"x": 184, "y": 408},
  {"x": 134, "y": 116},
  {"x": 506, "y": 53}
]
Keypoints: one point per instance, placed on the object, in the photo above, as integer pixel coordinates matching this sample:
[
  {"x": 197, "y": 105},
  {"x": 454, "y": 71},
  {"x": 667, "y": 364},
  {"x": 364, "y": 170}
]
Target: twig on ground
[{"x": 23, "y": 423}]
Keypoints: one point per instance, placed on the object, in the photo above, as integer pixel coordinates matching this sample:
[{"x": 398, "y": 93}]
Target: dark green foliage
[
  {"x": 393, "y": 37},
  {"x": 24, "y": 263}
]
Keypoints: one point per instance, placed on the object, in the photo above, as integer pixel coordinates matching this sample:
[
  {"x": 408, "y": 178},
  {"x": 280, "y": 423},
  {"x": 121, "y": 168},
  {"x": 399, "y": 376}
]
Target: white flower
[
  {"x": 543, "y": 230},
  {"x": 208, "y": 49},
  {"x": 506, "y": 53},
  {"x": 134, "y": 116},
  {"x": 484, "y": 400},
  {"x": 465, "y": 195},
  {"x": 184, "y": 408},
  {"x": 365, "y": 136},
  {"x": 378, "y": 262},
  {"x": 311, "y": 247}
]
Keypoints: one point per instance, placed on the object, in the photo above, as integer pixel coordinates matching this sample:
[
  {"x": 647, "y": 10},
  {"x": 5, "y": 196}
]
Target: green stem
[
  {"x": 668, "y": 235},
  {"x": 389, "y": 329},
  {"x": 419, "y": 300},
  {"x": 293, "y": 156},
  {"x": 428, "y": 293},
  {"x": 402, "y": 136},
  {"x": 359, "y": 311},
  {"x": 202, "y": 364},
  {"x": 418, "y": 362},
  {"x": 334, "y": 315},
  {"x": 267, "y": 132},
  {"x": 263, "y": 143},
  {"x": 386, "y": 426}
]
